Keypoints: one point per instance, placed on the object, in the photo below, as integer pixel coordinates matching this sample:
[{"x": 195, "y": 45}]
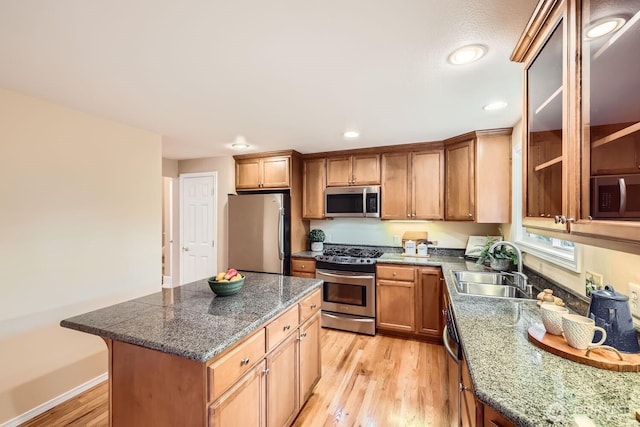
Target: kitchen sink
[{"x": 490, "y": 284}]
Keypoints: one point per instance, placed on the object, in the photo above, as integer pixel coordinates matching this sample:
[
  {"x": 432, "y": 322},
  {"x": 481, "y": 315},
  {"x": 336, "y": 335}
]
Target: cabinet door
[
  {"x": 276, "y": 172},
  {"x": 492, "y": 418},
  {"x": 314, "y": 181},
  {"x": 366, "y": 169},
  {"x": 460, "y": 185},
  {"x": 550, "y": 177},
  {"x": 429, "y": 301},
  {"x": 282, "y": 383},
  {"x": 427, "y": 185},
  {"x": 468, "y": 411},
  {"x": 339, "y": 171},
  {"x": 395, "y": 186},
  {"x": 310, "y": 359},
  {"x": 248, "y": 173},
  {"x": 244, "y": 404},
  {"x": 395, "y": 306}
]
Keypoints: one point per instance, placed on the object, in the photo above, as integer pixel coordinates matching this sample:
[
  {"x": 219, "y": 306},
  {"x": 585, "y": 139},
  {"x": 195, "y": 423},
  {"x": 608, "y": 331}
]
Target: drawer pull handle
[
  {"x": 394, "y": 274},
  {"x": 314, "y": 305},
  {"x": 287, "y": 327},
  {"x": 302, "y": 265},
  {"x": 244, "y": 362}
]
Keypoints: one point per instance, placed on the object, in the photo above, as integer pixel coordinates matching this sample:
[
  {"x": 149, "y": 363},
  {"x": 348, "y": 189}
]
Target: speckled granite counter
[
  {"x": 306, "y": 254},
  {"x": 191, "y": 321},
  {"x": 528, "y": 385}
]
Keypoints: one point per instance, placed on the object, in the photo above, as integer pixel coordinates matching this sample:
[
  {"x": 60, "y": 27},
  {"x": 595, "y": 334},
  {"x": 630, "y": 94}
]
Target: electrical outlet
[
  {"x": 634, "y": 299},
  {"x": 592, "y": 282}
]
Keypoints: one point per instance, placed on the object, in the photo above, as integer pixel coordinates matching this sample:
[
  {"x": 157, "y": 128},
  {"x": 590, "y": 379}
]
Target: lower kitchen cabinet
[
  {"x": 310, "y": 357},
  {"x": 495, "y": 419},
  {"x": 303, "y": 267},
  {"x": 282, "y": 383},
  {"x": 409, "y": 300},
  {"x": 395, "y": 298},
  {"x": 469, "y": 416},
  {"x": 429, "y": 301},
  {"x": 244, "y": 403}
]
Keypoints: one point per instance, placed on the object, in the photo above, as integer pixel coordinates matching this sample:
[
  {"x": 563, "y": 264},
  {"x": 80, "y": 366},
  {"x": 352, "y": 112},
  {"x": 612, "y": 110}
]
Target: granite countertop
[
  {"x": 190, "y": 321},
  {"x": 528, "y": 385}
]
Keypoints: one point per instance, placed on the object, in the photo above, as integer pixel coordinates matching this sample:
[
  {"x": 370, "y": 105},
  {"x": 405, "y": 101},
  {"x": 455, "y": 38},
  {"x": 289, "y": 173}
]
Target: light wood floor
[{"x": 366, "y": 381}]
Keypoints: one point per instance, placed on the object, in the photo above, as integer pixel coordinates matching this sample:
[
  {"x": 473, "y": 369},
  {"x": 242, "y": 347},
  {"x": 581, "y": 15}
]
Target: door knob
[{"x": 185, "y": 249}]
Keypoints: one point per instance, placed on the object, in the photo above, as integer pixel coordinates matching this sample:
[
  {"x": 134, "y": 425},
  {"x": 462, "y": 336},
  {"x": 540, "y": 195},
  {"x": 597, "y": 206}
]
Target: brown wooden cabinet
[
  {"x": 361, "y": 169},
  {"x": 469, "y": 413},
  {"x": 478, "y": 177},
  {"x": 263, "y": 173},
  {"x": 395, "y": 298},
  {"x": 244, "y": 403},
  {"x": 413, "y": 185},
  {"x": 314, "y": 181},
  {"x": 303, "y": 267},
  {"x": 282, "y": 383},
  {"x": 492, "y": 418},
  {"x": 310, "y": 356},
  {"x": 429, "y": 301}
]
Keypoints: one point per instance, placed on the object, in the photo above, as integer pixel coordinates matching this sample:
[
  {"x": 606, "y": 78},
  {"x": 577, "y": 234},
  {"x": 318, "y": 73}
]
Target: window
[{"x": 557, "y": 251}]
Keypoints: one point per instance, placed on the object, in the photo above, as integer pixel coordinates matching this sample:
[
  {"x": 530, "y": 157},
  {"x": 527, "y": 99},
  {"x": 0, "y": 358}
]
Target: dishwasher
[{"x": 454, "y": 352}]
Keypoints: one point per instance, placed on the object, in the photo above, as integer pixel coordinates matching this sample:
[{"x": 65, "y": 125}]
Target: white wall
[
  {"x": 80, "y": 228},
  {"x": 376, "y": 232}
]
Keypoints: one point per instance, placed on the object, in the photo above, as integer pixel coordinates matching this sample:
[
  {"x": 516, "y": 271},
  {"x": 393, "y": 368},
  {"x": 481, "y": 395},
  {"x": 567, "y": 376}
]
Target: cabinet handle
[
  {"x": 408, "y": 215},
  {"x": 287, "y": 327},
  {"x": 302, "y": 265},
  {"x": 470, "y": 215},
  {"x": 393, "y": 274},
  {"x": 244, "y": 362},
  {"x": 266, "y": 371},
  {"x": 314, "y": 305}
]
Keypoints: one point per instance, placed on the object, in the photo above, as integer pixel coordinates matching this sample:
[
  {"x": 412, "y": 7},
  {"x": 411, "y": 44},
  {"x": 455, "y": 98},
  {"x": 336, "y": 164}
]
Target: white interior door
[{"x": 198, "y": 219}]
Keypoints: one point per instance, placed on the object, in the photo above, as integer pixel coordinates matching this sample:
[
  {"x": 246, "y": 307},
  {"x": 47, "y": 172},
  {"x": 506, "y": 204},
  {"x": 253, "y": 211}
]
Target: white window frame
[{"x": 553, "y": 252}]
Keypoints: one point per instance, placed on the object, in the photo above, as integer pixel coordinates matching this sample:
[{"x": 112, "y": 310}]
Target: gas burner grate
[{"x": 353, "y": 252}]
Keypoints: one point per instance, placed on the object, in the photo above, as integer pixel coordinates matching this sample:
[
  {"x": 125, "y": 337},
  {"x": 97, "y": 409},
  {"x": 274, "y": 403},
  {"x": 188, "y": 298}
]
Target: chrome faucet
[{"x": 521, "y": 279}]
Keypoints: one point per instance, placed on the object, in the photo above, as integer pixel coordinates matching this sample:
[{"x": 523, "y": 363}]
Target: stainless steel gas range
[{"x": 349, "y": 293}]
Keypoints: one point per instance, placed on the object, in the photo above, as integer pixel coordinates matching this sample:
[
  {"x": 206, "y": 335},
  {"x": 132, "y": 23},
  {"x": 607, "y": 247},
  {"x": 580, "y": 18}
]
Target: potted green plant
[
  {"x": 316, "y": 237},
  {"x": 500, "y": 258}
]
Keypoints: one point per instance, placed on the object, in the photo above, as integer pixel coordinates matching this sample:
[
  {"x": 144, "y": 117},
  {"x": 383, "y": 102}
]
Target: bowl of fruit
[{"x": 226, "y": 283}]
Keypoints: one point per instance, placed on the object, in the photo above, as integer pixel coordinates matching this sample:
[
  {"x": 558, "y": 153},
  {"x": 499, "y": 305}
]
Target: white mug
[
  {"x": 552, "y": 317},
  {"x": 579, "y": 331}
]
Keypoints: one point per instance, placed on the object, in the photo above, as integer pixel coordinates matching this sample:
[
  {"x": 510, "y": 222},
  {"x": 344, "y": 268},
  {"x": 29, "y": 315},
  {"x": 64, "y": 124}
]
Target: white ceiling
[{"x": 284, "y": 74}]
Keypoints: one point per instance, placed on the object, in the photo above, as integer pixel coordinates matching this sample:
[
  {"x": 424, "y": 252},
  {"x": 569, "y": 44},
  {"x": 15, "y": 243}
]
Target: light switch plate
[
  {"x": 593, "y": 281},
  {"x": 634, "y": 299}
]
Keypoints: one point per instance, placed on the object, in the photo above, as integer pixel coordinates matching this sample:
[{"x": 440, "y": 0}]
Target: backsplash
[{"x": 374, "y": 232}]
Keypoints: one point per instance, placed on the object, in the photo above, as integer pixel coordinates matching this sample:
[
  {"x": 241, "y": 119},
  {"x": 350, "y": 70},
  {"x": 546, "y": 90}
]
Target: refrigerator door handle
[{"x": 281, "y": 234}]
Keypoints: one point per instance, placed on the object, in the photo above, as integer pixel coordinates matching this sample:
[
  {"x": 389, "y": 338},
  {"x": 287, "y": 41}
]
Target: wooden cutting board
[{"x": 600, "y": 358}]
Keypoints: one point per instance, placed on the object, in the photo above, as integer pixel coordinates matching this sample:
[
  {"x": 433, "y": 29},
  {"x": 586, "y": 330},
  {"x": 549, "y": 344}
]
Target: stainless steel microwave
[
  {"x": 615, "y": 197},
  {"x": 353, "y": 202}
]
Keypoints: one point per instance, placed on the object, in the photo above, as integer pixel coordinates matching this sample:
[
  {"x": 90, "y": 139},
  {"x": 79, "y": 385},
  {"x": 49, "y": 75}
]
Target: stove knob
[{"x": 368, "y": 260}]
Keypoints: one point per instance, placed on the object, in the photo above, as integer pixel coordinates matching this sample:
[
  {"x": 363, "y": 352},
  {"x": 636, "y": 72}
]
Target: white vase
[{"x": 317, "y": 246}]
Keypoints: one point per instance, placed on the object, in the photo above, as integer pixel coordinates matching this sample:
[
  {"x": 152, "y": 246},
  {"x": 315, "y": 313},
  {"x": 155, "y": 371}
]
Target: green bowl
[{"x": 224, "y": 289}]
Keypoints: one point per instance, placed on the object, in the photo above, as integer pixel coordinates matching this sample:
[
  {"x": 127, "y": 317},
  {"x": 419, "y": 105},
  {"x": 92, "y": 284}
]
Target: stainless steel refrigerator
[{"x": 259, "y": 232}]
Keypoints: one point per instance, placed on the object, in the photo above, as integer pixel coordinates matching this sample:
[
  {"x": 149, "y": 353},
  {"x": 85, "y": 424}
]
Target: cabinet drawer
[
  {"x": 394, "y": 272},
  {"x": 282, "y": 326},
  {"x": 225, "y": 371},
  {"x": 310, "y": 305},
  {"x": 305, "y": 265}
]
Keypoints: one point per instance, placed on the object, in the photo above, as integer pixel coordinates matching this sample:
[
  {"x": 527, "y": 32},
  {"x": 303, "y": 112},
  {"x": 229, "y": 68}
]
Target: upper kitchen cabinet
[
  {"x": 264, "y": 171},
  {"x": 413, "y": 184},
  {"x": 314, "y": 181},
  {"x": 610, "y": 124},
  {"x": 550, "y": 177},
  {"x": 361, "y": 169},
  {"x": 478, "y": 177}
]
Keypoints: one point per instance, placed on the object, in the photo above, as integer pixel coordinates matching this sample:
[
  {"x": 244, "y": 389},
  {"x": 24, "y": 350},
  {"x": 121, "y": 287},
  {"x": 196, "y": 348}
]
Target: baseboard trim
[{"x": 32, "y": 413}]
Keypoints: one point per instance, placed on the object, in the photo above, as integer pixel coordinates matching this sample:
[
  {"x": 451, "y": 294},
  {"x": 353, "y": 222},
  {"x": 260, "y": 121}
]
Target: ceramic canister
[{"x": 410, "y": 247}]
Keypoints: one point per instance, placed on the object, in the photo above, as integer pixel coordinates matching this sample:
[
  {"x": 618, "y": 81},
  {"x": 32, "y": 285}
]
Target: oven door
[{"x": 348, "y": 292}]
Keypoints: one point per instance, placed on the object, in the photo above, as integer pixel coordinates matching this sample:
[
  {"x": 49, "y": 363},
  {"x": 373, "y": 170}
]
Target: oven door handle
[
  {"x": 340, "y": 276},
  {"x": 332, "y": 316},
  {"x": 623, "y": 196},
  {"x": 445, "y": 340}
]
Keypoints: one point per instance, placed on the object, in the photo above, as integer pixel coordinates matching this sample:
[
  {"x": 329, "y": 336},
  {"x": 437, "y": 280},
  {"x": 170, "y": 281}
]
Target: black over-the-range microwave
[
  {"x": 353, "y": 202},
  {"x": 615, "y": 197}
]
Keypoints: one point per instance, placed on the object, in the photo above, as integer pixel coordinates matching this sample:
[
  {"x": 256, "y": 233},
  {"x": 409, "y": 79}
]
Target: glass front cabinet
[{"x": 581, "y": 143}]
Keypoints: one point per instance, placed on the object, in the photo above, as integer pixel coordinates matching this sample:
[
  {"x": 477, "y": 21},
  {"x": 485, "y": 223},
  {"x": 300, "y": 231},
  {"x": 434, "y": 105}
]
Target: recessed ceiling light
[
  {"x": 351, "y": 134},
  {"x": 240, "y": 143},
  {"x": 603, "y": 27},
  {"x": 498, "y": 105},
  {"x": 467, "y": 54}
]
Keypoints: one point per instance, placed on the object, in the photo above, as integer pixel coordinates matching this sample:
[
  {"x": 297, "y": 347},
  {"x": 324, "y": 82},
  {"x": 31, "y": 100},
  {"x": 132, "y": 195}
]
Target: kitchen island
[
  {"x": 529, "y": 386},
  {"x": 184, "y": 356}
]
